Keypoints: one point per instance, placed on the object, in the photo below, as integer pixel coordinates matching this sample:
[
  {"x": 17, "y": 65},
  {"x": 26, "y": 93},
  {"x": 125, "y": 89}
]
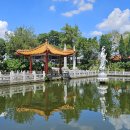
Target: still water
[{"x": 80, "y": 104}]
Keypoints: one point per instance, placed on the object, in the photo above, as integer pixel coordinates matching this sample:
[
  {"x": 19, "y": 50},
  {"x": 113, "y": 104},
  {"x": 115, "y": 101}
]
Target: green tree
[
  {"x": 128, "y": 47},
  {"x": 2, "y": 49},
  {"x": 42, "y": 38},
  {"x": 13, "y": 64},
  {"x": 122, "y": 48},
  {"x": 23, "y": 38},
  {"x": 54, "y": 38},
  {"x": 70, "y": 35},
  {"x": 105, "y": 40},
  {"x": 89, "y": 49}
]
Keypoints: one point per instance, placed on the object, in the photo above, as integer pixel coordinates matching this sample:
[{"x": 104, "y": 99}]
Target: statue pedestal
[{"x": 102, "y": 77}]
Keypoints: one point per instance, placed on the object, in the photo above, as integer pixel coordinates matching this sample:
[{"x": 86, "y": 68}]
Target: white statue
[{"x": 103, "y": 59}]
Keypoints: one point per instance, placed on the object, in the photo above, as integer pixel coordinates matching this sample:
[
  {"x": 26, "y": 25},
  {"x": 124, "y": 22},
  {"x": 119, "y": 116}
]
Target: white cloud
[
  {"x": 60, "y": 0},
  {"x": 116, "y": 20},
  {"x": 96, "y": 33},
  {"x": 52, "y": 8},
  {"x": 3, "y": 28},
  {"x": 82, "y": 8},
  {"x": 82, "y": 2},
  {"x": 92, "y": 1},
  {"x": 79, "y": 2}
]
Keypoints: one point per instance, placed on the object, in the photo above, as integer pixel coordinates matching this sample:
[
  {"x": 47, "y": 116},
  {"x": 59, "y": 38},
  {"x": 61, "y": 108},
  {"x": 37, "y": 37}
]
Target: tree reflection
[{"x": 68, "y": 98}]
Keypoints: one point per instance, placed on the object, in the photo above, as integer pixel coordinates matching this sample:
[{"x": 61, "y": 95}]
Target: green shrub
[{"x": 12, "y": 64}]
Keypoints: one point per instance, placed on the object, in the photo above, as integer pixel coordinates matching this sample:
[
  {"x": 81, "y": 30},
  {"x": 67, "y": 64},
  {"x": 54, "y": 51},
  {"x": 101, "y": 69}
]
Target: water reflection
[
  {"x": 102, "y": 89},
  {"x": 73, "y": 101}
]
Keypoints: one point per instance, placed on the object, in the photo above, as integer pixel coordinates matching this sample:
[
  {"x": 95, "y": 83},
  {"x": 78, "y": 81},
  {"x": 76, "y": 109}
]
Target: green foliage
[
  {"x": 115, "y": 66},
  {"x": 13, "y": 64},
  {"x": 127, "y": 66},
  {"x": 41, "y": 38},
  {"x": 128, "y": 47},
  {"x": 70, "y": 35},
  {"x": 24, "y": 65},
  {"x": 105, "y": 40},
  {"x": 119, "y": 66},
  {"x": 54, "y": 38},
  {"x": 23, "y": 38},
  {"x": 89, "y": 49},
  {"x": 122, "y": 47},
  {"x": 2, "y": 49},
  {"x": 37, "y": 66}
]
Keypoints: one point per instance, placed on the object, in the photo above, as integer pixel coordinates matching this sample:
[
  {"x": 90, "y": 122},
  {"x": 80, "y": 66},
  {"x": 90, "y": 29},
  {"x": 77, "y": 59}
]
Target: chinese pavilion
[{"x": 45, "y": 49}]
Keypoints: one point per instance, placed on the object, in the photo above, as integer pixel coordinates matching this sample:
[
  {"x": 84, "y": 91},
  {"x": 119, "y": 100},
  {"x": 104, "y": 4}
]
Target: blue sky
[{"x": 94, "y": 17}]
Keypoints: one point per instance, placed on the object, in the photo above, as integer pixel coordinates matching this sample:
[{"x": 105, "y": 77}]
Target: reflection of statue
[
  {"x": 102, "y": 90},
  {"x": 103, "y": 59}
]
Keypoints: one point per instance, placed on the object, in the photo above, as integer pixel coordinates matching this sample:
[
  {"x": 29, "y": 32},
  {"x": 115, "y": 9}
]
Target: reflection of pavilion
[
  {"x": 47, "y": 98},
  {"x": 102, "y": 89},
  {"x": 48, "y": 108},
  {"x": 40, "y": 103},
  {"x": 44, "y": 113}
]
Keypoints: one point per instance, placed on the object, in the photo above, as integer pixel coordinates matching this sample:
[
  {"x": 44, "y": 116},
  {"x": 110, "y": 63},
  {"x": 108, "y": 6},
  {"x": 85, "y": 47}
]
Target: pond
[{"x": 80, "y": 104}]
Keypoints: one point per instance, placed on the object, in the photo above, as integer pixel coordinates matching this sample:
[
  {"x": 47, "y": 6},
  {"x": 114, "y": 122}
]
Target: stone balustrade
[
  {"x": 21, "y": 77},
  {"x": 118, "y": 73},
  {"x": 24, "y": 77},
  {"x": 81, "y": 73}
]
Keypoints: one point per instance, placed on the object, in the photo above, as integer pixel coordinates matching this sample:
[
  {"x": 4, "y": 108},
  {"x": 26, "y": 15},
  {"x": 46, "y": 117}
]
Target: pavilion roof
[
  {"x": 42, "y": 112},
  {"x": 116, "y": 58},
  {"x": 45, "y": 47}
]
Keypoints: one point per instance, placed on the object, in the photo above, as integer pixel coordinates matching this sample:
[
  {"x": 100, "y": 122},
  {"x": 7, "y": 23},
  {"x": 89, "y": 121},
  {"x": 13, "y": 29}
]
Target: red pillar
[
  {"x": 60, "y": 65},
  {"x": 46, "y": 63},
  {"x": 30, "y": 67}
]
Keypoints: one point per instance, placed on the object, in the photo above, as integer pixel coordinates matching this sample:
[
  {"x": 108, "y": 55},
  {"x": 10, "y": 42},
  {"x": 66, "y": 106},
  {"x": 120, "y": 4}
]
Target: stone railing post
[
  {"x": 115, "y": 72},
  {"x": 123, "y": 72},
  {"x": 17, "y": 73},
  {"x": 108, "y": 72},
  {"x": 11, "y": 76},
  {"x": 44, "y": 75},
  {"x": 0, "y": 75},
  {"x": 34, "y": 74},
  {"x": 95, "y": 72},
  {"x": 24, "y": 76}
]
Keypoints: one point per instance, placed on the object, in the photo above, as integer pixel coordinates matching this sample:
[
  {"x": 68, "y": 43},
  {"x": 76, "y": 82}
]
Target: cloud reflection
[
  {"x": 79, "y": 126},
  {"x": 122, "y": 122}
]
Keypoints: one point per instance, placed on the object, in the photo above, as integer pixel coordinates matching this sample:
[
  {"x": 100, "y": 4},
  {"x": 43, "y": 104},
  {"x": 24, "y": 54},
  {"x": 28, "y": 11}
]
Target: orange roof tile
[
  {"x": 43, "y": 48},
  {"x": 116, "y": 58}
]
